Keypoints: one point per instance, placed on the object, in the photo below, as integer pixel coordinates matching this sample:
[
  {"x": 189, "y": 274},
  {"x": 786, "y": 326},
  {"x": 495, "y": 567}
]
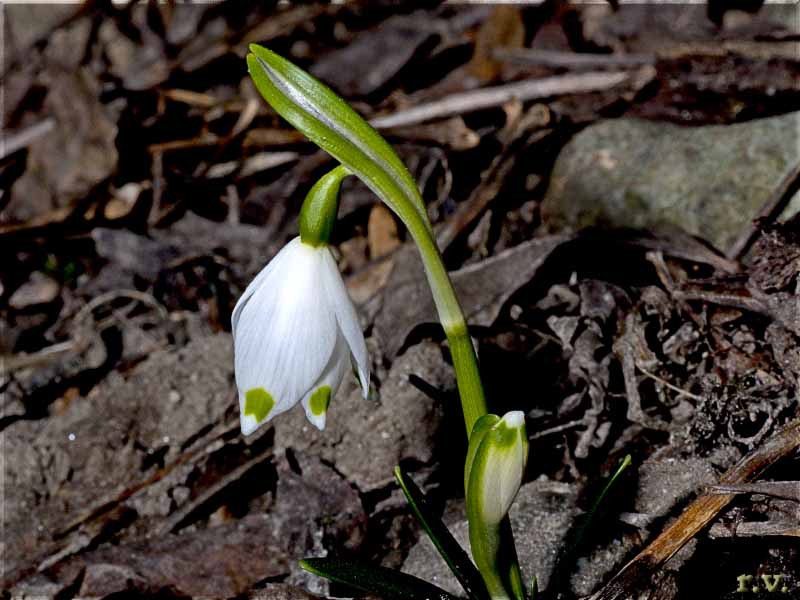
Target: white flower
[{"x": 294, "y": 333}]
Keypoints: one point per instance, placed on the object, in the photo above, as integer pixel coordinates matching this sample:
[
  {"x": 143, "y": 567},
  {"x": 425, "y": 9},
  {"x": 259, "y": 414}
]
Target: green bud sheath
[
  {"x": 498, "y": 450},
  {"x": 479, "y": 430},
  {"x": 318, "y": 213}
]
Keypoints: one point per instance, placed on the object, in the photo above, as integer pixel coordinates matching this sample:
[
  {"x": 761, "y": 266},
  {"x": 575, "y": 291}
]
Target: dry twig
[
  {"x": 699, "y": 514},
  {"x": 489, "y": 97}
]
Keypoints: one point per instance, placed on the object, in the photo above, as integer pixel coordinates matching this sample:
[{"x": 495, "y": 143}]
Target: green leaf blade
[
  {"x": 380, "y": 581},
  {"x": 327, "y": 120},
  {"x": 451, "y": 551}
]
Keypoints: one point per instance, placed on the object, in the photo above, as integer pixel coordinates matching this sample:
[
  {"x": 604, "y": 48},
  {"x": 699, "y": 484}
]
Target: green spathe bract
[
  {"x": 496, "y": 460},
  {"x": 329, "y": 122},
  {"x": 479, "y": 430},
  {"x": 318, "y": 213}
]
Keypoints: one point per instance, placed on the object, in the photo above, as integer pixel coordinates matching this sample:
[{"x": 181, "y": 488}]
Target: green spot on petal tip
[
  {"x": 320, "y": 400},
  {"x": 258, "y": 403}
]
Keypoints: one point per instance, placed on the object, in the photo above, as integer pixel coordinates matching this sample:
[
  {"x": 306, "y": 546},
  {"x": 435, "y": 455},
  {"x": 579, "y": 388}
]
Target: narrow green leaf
[
  {"x": 585, "y": 520},
  {"x": 624, "y": 464},
  {"x": 328, "y": 121},
  {"x": 453, "y": 554},
  {"x": 380, "y": 581}
]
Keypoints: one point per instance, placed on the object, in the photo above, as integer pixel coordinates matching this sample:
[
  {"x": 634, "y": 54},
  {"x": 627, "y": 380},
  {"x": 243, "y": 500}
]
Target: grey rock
[
  {"x": 711, "y": 180},
  {"x": 133, "y": 253},
  {"x": 37, "y": 587},
  {"x": 365, "y": 439},
  {"x": 316, "y": 512},
  {"x": 27, "y": 23},
  {"x": 102, "y": 579}
]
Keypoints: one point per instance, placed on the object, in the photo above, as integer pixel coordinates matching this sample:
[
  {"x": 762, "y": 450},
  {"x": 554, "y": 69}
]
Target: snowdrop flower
[{"x": 295, "y": 329}]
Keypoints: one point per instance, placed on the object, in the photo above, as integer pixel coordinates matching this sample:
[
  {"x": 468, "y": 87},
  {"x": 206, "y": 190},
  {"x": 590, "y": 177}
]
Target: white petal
[
  {"x": 347, "y": 319},
  {"x": 316, "y": 400},
  {"x": 256, "y": 283},
  {"x": 285, "y": 332}
]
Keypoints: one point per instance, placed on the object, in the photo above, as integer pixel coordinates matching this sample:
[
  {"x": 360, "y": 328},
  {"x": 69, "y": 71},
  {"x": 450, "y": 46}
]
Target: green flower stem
[
  {"x": 465, "y": 363},
  {"x": 496, "y": 557}
]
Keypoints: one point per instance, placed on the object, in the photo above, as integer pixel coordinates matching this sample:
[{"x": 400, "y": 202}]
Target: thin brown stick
[
  {"x": 570, "y": 60},
  {"x": 667, "y": 384},
  {"x": 489, "y": 97},
  {"x": 13, "y": 141},
  {"x": 637, "y": 572},
  {"x": 788, "y": 490}
]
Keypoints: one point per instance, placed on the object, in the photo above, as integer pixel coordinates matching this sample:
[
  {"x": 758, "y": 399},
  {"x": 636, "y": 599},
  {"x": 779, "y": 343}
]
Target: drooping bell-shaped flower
[{"x": 295, "y": 329}]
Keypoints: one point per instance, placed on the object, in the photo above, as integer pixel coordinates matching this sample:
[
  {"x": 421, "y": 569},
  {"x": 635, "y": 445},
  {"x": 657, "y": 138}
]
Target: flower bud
[{"x": 498, "y": 452}]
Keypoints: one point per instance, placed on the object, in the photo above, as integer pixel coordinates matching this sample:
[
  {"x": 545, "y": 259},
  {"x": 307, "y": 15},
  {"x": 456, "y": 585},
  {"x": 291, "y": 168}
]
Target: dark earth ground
[{"x": 623, "y": 243}]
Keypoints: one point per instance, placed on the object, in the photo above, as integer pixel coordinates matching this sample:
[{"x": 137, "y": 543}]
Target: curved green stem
[{"x": 465, "y": 362}]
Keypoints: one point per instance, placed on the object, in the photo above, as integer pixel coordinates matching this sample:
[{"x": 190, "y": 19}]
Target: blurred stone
[
  {"x": 28, "y": 22},
  {"x": 140, "y": 66},
  {"x": 37, "y": 587},
  {"x": 132, "y": 253},
  {"x": 39, "y": 289},
  {"x": 711, "y": 181},
  {"x": 102, "y": 579}
]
